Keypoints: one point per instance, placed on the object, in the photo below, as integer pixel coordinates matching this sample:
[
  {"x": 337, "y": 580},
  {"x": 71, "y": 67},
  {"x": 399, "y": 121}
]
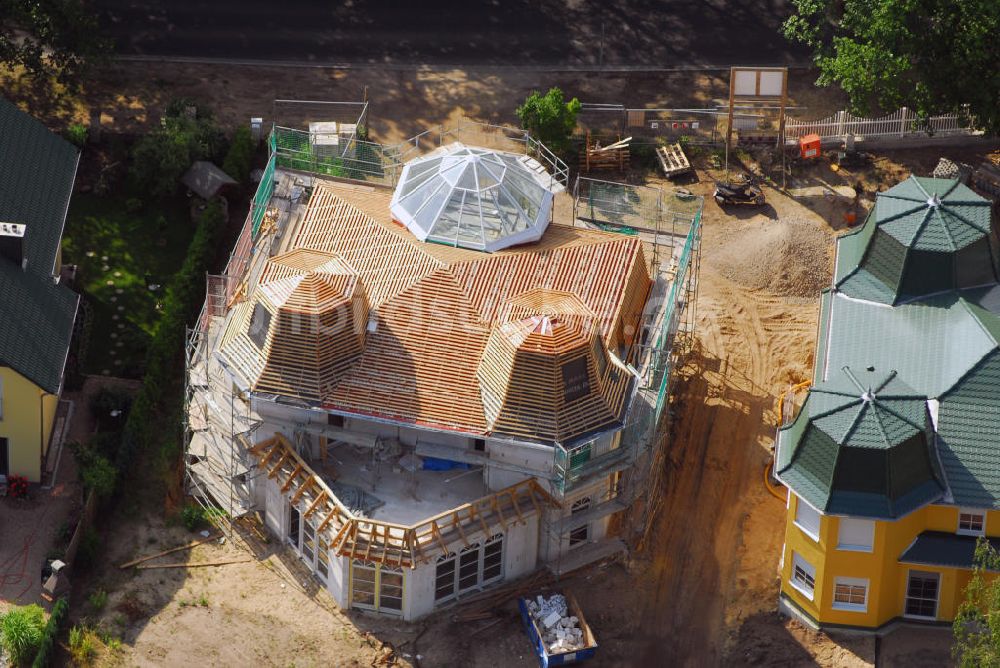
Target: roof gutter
[{"x": 62, "y": 228}]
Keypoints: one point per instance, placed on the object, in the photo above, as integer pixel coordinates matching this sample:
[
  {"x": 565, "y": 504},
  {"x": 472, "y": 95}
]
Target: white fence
[{"x": 901, "y": 123}]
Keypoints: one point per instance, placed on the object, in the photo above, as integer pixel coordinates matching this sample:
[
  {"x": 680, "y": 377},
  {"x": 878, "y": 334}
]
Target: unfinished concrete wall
[
  {"x": 418, "y": 593},
  {"x": 340, "y": 580},
  {"x": 536, "y": 458},
  {"x": 556, "y": 544},
  {"x": 275, "y": 508},
  {"x": 521, "y": 548}
]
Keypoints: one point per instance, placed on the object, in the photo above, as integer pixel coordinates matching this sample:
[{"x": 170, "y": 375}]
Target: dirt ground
[{"x": 131, "y": 97}]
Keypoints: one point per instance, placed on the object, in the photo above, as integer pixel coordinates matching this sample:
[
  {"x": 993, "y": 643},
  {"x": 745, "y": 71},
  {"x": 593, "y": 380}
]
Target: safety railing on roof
[
  {"x": 350, "y": 158},
  {"x": 387, "y": 542}
]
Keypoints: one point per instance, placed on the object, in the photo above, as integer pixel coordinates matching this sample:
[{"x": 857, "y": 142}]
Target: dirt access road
[{"x": 677, "y": 33}]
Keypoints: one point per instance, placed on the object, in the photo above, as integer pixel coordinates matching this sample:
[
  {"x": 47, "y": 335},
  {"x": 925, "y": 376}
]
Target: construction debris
[
  {"x": 196, "y": 564},
  {"x": 561, "y": 631}
]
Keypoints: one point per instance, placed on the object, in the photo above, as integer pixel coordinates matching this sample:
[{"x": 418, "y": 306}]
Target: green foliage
[
  {"x": 160, "y": 158},
  {"x": 976, "y": 627},
  {"x": 56, "y": 620},
  {"x": 932, "y": 56},
  {"x": 77, "y": 134},
  {"x": 161, "y": 392},
  {"x": 99, "y": 475},
  {"x": 193, "y": 517},
  {"x": 110, "y": 406},
  {"x": 57, "y": 38},
  {"x": 90, "y": 547},
  {"x": 97, "y": 599},
  {"x": 549, "y": 118},
  {"x": 21, "y": 632},
  {"x": 239, "y": 159},
  {"x": 82, "y": 647}
]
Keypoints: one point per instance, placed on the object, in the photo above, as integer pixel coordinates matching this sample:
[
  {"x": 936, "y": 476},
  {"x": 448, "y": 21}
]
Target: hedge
[
  {"x": 239, "y": 158},
  {"x": 56, "y": 619},
  {"x": 164, "y": 361}
]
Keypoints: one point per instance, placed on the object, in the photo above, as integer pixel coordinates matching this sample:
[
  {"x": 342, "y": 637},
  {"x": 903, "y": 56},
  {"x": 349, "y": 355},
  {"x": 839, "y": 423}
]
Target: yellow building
[
  {"x": 36, "y": 313},
  {"x": 893, "y": 462}
]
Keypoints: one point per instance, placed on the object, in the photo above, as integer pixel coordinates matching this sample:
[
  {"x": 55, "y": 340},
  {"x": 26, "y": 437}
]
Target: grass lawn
[{"x": 120, "y": 255}]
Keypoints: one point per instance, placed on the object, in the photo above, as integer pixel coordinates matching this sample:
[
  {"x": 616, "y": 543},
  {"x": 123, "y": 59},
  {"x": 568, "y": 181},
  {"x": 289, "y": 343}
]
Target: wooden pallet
[{"x": 673, "y": 160}]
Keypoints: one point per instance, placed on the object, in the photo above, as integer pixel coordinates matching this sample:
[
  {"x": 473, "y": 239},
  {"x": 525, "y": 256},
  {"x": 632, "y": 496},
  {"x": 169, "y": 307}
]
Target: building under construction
[{"x": 423, "y": 380}]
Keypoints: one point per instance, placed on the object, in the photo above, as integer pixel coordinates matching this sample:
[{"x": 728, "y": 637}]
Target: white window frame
[
  {"x": 581, "y": 534},
  {"x": 906, "y": 594},
  {"x": 799, "y": 563},
  {"x": 455, "y": 561},
  {"x": 854, "y": 547},
  {"x": 851, "y": 582},
  {"x": 971, "y": 532},
  {"x": 799, "y": 505}
]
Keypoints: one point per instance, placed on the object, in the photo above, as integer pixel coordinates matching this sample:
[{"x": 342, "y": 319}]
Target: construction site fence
[
  {"x": 300, "y": 113},
  {"x": 901, "y": 123},
  {"x": 634, "y": 209},
  {"x": 700, "y": 126},
  {"x": 264, "y": 191}
]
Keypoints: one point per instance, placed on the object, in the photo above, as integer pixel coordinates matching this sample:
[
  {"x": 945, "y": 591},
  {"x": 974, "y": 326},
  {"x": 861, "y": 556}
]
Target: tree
[
  {"x": 932, "y": 56},
  {"x": 549, "y": 118},
  {"x": 977, "y": 624},
  {"x": 49, "y": 37}
]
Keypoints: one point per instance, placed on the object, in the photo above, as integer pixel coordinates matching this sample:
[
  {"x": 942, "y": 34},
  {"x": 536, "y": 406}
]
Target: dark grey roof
[
  {"x": 938, "y": 548},
  {"x": 206, "y": 180},
  {"x": 37, "y": 170}
]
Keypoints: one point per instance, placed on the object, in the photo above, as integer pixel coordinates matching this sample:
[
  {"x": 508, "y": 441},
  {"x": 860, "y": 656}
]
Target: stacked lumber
[
  {"x": 613, "y": 156},
  {"x": 672, "y": 159}
]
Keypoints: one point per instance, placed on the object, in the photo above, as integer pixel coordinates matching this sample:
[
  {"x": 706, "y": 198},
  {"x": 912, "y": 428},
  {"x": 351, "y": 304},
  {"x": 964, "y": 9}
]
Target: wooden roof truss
[{"x": 388, "y": 543}]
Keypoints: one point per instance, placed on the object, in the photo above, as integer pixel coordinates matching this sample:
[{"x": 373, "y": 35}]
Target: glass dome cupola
[{"x": 472, "y": 197}]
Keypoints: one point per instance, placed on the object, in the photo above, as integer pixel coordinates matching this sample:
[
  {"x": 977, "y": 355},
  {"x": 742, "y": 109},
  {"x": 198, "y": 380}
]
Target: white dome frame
[{"x": 474, "y": 198}]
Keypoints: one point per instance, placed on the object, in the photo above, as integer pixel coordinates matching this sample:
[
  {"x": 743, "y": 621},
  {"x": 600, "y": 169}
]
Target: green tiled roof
[
  {"x": 921, "y": 238},
  {"x": 862, "y": 445},
  {"x": 931, "y": 343},
  {"x": 36, "y": 325},
  {"x": 37, "y": 170}
]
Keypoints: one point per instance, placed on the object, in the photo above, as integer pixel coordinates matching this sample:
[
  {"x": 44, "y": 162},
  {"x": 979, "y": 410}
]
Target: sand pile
[{"x": 785, "y": 257}]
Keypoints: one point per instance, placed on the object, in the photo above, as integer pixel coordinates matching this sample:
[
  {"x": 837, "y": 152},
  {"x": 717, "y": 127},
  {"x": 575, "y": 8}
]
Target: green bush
[
  {"x": 56, "y": 620},
  {"x": 193, "y": 516},
  {"x": 239, "y": 158},
  {"x": 77, "y": 134},
  {"x": 98, "y": 599},
  {"x": 90, "y": 547},
  {"x": 160, "y": 158},
  {"x": 81, "y": 646},
  {"x": 549, "y": 118},
  {"x": 21, "y": 632},
  {"x": 161, "y": 392},
  {"x": 99, "y": 475},
  {"x": 110, "y": 407}
]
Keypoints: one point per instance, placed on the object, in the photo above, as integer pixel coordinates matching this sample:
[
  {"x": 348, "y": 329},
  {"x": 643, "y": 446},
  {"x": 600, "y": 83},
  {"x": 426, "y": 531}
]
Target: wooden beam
[
  {"x": 486, "y": 527},
  {"x": 341, "y": 536},
  {"x": 310, "y": 481},
  {"x": 291, "y": 479},
  {"x": 458, "y": 525},
  {"x": 517, "y": 508},
  {"x": 440, "y": 540},
  {"x": 315, "y": 504},
  {"x": 173, "y": 549},
  {"x": 328, "y": 518},
  {"x": 496, "y": 508},
  {"x": 281, "y": 460}
]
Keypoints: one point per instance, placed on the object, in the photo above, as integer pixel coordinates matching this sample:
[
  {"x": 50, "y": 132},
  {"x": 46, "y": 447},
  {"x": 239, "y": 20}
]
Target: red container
[{"x": 809, "y": 146}]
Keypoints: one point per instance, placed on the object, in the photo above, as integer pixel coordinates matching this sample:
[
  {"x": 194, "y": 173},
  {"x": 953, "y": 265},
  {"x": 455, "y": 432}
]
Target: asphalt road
[{"x": 667, "y": 34}]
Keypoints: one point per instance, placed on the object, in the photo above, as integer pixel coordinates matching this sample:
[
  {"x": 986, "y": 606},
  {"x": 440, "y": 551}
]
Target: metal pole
[{"x": 600, "y": 62}]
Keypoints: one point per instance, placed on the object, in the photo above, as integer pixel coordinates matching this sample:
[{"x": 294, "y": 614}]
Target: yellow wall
[
  {"x": 28, "y": 414},
  {"x": 887, "y": 577}
]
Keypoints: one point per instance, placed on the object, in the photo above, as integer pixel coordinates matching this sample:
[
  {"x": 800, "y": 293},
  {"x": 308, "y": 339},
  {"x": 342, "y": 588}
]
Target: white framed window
[
  {"x": 856, "y": 535},
  {"x": 922, "y": 590},
  {"x": 803, "y": 575},
  {"x": 581, "y": 534},
  {"x": 971, "y": 522},
  {"x": 473, "y": 567},
  {"x": 807, "y": 519},
  {"x": 850, "y": 594}
]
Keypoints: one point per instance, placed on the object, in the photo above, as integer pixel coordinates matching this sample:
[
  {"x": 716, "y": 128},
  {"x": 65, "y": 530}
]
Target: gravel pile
[{"x": 786, "y": 257}]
